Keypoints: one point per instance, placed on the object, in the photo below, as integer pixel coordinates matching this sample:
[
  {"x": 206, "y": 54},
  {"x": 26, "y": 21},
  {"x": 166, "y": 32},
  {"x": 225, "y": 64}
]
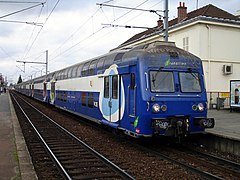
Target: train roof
[{"x": 122, "y": 56}]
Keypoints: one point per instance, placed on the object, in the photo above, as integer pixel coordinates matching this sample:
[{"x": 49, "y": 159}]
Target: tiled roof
[{"x": 207, "y": 11}]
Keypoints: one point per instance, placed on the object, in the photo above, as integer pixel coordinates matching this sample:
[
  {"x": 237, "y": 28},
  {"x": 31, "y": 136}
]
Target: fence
[{"x": 218, "y": 100}]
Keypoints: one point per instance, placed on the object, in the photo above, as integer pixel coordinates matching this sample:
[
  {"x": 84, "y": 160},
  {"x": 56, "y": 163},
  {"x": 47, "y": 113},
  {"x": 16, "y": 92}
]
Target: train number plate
[{"x": 160, "y": 124}]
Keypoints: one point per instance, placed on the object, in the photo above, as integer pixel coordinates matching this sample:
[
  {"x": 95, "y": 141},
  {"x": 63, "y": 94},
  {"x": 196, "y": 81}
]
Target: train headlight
[
  {"x": 156, "y": 108},
  {"x": 194, "y": 107},
  {"x": 164, "y": 108},
  {"x": 200, "y": 107}
]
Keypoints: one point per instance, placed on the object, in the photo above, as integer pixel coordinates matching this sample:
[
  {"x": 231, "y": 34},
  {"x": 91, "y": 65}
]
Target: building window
[{"x": 186, "y": 43}]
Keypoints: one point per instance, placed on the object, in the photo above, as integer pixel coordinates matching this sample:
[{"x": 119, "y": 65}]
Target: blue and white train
[{"x": 149, "y": 90}]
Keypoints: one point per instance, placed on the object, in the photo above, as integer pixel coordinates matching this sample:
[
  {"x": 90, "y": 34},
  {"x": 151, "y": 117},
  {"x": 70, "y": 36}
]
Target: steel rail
[
  {"x": 188, "y": 167},
  {"x": 66, "y": 175},
  {"x": 107, "y": 162},
  {"x": 230, "y": 163}
]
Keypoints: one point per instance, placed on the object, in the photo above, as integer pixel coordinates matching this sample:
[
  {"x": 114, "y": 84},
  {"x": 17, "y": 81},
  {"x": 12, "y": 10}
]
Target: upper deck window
[
  {"x": 161, "y": 81},
  {"x": 189, "y": 82}
]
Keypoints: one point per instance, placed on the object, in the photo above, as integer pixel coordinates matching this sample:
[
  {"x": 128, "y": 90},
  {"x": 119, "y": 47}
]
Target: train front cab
[
  {"x": 174, "y": 97},
  {"x": 177, "y": 100},
  {"x": 178, "y": 103}
]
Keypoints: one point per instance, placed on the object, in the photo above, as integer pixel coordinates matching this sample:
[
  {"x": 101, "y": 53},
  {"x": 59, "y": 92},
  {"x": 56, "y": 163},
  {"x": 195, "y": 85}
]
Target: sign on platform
[{"x": 234, "y": 93}]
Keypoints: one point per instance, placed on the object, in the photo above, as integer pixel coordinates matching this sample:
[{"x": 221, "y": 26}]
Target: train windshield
[
  {"x": 189, "y": 82},
  {"x": 162, "y": 81}
]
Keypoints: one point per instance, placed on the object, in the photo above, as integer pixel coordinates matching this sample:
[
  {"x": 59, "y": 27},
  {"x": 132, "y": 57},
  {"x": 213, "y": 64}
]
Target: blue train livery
[{"x": 154, "y": 89}]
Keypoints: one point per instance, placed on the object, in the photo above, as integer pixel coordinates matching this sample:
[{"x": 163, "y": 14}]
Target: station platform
[
  {"x": 227, "y": 124},
  {"x": 15, "y": 162}
]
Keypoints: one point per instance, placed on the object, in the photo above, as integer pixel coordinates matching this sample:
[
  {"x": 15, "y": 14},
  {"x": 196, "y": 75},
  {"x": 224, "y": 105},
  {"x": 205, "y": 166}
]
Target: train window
[
  {"x": 74, "y": 72},
  {"x": 106, "y": 87},
  {"x": 57, "y": 75},
  {"x": 162, "y": 81},
  {"x": 132, "y": 83},
  {"x": 118, "y": 57},
  {"x": 90, "y": 100},
  {"x": 61, "y": 74},
  {"x": 44, "y": 89},
  {"x": 92, "y": 67},
  {"x": 65, "y": 73},
  {"x": 79, "y": 70},
  {"x": 57, "y": 96},
  {"x": 189, "y": 82},
  {"x": 100, "y": 63},
  {"x": 85, "y": 69},
  {"x": 69, "y": 74},
  {"x": 115, "y": 87},
  {"x": 84, "y": 98},
  {"x": 109, "y": 61},
  {"x": 65, "y": 96}
]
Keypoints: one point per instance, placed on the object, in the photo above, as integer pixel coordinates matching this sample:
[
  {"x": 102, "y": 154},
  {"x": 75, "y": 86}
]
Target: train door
[
  {"x": 44, "y": 91},
  {"x": 32, "y": 90},
  {"x": 111, "y": 98},
  {"x": 132, "y": 96},
  {"x": 52, "y": 92}
]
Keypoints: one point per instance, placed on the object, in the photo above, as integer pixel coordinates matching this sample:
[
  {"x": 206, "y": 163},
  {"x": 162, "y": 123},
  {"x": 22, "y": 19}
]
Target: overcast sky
[{"x": 73, "y": 31}]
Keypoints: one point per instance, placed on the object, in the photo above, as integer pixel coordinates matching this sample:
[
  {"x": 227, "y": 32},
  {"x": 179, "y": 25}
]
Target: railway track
[
  {"x": 196, "y": 162},
  {"x": 206, "y": 165},
  {"x": 73, "y": 158},
  {"x": 228, "y": 165}
]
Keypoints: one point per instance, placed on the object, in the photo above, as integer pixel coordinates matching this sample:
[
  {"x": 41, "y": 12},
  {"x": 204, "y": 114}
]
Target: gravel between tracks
[{"x": 136, "y": 162}]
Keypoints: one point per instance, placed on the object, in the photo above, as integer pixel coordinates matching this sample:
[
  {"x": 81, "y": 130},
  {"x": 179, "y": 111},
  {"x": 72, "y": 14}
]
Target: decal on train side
[{"x": 108, "y": 104}]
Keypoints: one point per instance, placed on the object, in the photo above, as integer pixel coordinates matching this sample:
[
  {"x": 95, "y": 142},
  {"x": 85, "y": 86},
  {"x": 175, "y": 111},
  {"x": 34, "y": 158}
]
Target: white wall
[{"x": 216, "y": 45}]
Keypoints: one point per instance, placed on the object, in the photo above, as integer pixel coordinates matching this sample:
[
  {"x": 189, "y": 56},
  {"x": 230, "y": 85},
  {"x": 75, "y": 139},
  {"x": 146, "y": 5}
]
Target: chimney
[
  {"x": 182, "y": 11},
  {"x": 159, "y": 23}
]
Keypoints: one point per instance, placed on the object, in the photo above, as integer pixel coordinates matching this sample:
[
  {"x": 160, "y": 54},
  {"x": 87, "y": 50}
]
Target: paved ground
[
  {"x": 227, "y": 123},
  {"x": 15, "y": 162},
  {"x": 8, "y": 157}
]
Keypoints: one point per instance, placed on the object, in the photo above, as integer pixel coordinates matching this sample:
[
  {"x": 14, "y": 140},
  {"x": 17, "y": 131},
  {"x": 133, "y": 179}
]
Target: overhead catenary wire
[
  {"x": 25, "y": 9},
  {"x": 20, "y": 2},
  {"x": 42, "y": 27},
  {"x": 91, "y": 35},
  {"x": 7, "y": 54},
  {"x": 75, "y": 32},
  {"x": 22, "y": 22},
  {"x": 27, "y": 49},
  {"x": 136, "y": 9},
  {"x": 106, "y": 34},
  {"x": 128, "y": 26}
]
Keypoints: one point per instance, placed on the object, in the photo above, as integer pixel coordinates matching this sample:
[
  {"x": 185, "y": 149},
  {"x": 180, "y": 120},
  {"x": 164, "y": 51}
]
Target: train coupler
[{"x": 204, "y": 122}]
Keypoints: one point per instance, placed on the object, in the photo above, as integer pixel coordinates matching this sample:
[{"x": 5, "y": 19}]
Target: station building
[{"x": 209, "y": 33}]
